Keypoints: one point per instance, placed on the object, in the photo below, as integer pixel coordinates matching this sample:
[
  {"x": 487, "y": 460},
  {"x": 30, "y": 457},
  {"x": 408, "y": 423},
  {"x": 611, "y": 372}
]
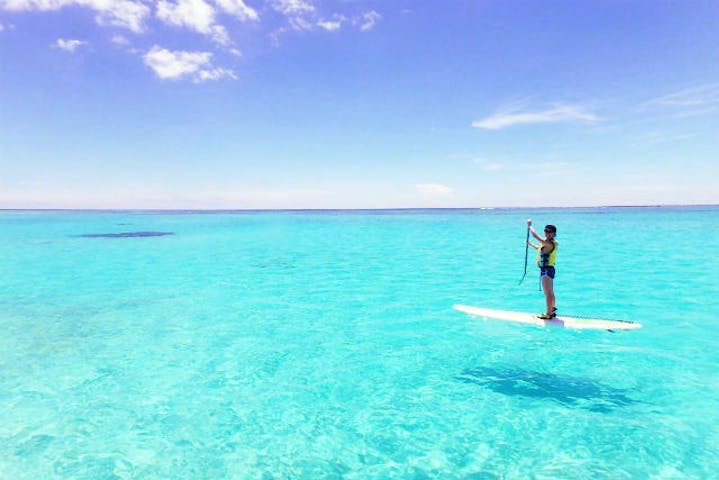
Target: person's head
[{"x": 550, "y": 231}]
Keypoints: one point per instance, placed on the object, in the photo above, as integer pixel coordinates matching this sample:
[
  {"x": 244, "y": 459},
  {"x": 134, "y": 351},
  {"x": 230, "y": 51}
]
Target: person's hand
[{"x": 529, "y": 222}]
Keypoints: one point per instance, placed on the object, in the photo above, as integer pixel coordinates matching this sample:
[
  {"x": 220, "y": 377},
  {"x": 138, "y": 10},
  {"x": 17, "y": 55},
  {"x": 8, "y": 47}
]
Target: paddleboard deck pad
[{"x": 578, "y": 323}]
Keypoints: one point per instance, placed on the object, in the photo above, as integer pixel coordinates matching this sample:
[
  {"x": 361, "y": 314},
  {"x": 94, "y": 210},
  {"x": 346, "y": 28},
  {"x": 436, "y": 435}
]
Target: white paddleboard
[{"x": 558, "y": 321}]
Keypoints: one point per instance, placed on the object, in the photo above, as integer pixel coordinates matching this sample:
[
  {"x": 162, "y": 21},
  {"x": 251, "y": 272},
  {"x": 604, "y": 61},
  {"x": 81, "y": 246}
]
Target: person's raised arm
[{"x": 534, "y": 234}]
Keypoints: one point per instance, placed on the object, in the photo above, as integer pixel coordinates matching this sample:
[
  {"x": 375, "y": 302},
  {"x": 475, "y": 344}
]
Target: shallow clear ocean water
[{"x": 323, "y": 345}]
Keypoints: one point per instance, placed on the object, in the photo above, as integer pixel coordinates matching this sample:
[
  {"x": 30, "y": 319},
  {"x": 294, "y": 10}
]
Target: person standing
[{"x": 546, "y": 259}]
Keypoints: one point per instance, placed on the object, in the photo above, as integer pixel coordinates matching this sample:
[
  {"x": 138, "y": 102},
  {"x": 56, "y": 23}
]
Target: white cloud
[
  {"x": 126, "y": 14},
  {"x": 238, "y": 9},
  {"x": 434, "y": 189},
  {"x": 201, "y": 16},
  {"x": 118, "y": 13},
  {"x": 171, "y": 65},
  {"x": 196, "y": 15},
  {"x": 332, "y": 25},
  {"x": 508, "y": 118},
  {"x": 68, "y": 45},
  {"x": 293, "y": 7},
  {"x": 368, "y": 20}
]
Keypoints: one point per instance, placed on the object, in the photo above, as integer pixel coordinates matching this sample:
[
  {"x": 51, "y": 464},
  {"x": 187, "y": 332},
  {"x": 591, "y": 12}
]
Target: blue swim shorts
[{"x": 547, "y": 272}]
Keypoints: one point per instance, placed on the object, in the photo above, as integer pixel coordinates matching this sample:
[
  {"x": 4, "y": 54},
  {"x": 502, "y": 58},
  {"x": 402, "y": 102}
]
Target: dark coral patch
[{"x": 126, "y": 234}]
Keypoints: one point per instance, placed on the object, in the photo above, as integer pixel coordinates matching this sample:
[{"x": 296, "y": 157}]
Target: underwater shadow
[{"x": 565, "y": 389}]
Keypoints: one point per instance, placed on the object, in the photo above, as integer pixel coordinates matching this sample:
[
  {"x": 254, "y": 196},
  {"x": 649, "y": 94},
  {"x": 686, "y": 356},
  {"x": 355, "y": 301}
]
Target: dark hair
[{"x": 551, "y": 228}]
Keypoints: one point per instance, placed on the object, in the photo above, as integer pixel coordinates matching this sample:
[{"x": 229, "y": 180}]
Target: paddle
[{"x": 526, "y": 254}]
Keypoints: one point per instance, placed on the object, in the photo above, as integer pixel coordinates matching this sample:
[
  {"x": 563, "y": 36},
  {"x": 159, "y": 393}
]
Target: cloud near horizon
[
  {"x": 509, "y": 118},
  {"x": 492, "y": 167},
  {"x": 434, "y": 189}
]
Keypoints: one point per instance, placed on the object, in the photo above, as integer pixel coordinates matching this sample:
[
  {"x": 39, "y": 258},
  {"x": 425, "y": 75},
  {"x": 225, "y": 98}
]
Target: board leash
[{"x": 526, "y": 253}]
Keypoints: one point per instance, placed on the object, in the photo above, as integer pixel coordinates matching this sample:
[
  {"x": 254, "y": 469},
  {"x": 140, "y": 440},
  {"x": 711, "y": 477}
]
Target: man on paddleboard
[{"x": 546, "y": 257}]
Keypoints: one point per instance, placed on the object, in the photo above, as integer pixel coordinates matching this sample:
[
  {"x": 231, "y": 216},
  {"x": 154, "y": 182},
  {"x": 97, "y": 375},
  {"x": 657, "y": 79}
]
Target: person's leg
[{"x": 548, "y": 288}]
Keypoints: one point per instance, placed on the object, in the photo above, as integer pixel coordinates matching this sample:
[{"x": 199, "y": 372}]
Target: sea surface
[{"x": 323, "y": 345}]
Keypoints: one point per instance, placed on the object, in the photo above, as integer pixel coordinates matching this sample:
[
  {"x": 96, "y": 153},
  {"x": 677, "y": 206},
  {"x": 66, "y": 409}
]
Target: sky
[{"x": 246, "y": 104}]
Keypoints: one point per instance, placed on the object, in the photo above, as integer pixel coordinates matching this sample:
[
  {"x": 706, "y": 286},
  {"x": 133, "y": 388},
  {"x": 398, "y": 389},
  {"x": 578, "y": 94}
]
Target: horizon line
[{"x": 357, "y": 209}]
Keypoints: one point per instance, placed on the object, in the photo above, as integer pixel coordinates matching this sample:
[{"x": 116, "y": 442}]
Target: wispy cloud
[
  {"x": 68, "y": 45},
  {"x": 697, "y": 100},
  {"x": 511, "y": 117},
  {"x": 657, "y": 138},
  {"x": 434, "y": 189},
  {"x": 368, "y": 20},
  {"x": 293, "y": 7},
  {"x": 699, "y": 95},
  {"x": 215, "y": 74},
  {"x": 488, "y": 165},
  {"x": 546, "y": 165},
  {"x": 174, "y": 65},
  {"x": 301, "y": 24},
  {"x": 303, "y": 16},
  {"x": 120, "y": 40},
  {"x": 492, "y": 167},
  {"x": 117, "y": 13}
]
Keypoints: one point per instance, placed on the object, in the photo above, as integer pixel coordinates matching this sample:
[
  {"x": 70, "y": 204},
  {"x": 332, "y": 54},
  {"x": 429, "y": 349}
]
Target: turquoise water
[{"x": 323, "y": 345}]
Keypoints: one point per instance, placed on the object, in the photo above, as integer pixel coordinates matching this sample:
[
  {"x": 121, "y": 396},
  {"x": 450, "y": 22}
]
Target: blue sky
[{"x": 357, "y": 103}]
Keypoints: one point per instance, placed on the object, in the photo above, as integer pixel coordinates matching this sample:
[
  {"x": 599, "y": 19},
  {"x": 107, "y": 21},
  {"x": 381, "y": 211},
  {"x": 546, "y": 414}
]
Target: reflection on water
[
  {"x": 567, "y": 390},
  {"x": 125, "y": 234}
]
